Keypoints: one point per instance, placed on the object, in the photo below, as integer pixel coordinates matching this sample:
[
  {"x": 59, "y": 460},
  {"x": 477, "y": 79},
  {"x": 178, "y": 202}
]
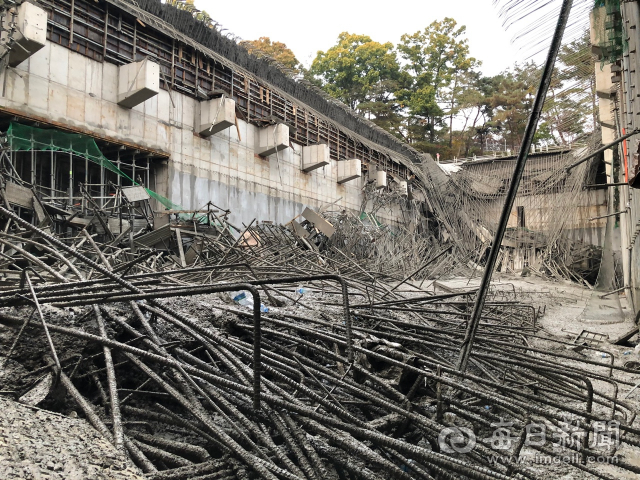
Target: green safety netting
[
  {"x": 371, "y": 216},
  {"x": 608, "y": 30},
  {"x": 26, "y": 138}
]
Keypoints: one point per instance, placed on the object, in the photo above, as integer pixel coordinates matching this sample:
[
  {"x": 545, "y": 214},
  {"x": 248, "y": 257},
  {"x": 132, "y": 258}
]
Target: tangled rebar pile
[{"x": 333, "y": 371}]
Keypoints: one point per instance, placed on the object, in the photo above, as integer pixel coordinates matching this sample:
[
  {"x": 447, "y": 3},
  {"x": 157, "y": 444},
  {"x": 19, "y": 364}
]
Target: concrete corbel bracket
[
  {"x": 381, "y": 179},
  {"x": 349, "y": 170},
  {"x": 314, "y": 157},
  {"x": 404, "y": 188},
  {"x": 272, "y": 139},
  {"x": 137, "y": 82},
  {"x": 216, "y": 115},
  {"x": 30, "y": 34}
]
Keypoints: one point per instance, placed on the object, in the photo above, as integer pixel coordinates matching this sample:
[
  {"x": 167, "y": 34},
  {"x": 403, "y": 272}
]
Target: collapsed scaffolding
[
  {"x": 459, "y": 209},
  {"x": 555, "y": 231}
]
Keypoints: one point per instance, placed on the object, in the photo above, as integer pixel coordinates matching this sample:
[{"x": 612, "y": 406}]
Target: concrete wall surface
[
  {"x": 70, "y": 89},
  {"x": 547, "y": 213}
]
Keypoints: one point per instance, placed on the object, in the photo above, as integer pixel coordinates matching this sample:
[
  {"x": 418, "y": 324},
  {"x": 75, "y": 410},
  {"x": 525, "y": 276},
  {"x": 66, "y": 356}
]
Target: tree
[
  {"x": 276, "y": 50},
  {"x": 476, "y": 112},
  {"x": 383, "y": 109},
  {"x": 358, "y": 71},
  {"x": 570, "y": 108},
  {"x": 512, "y": 100},
  {"x": 437, "y": 61}
]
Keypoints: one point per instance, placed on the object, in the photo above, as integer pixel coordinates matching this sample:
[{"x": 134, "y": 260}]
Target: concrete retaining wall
[{"x": 72, "y": 90}]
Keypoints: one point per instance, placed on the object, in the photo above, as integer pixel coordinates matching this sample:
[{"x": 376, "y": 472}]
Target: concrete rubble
[{"x": 41, "y": 444}]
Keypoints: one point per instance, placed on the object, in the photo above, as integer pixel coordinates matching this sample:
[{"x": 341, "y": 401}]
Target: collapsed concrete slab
[{"x": 319, "y": 222}]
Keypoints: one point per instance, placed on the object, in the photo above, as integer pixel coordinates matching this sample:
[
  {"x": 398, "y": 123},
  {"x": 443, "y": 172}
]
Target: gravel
[{"x": 36, "y": 445}]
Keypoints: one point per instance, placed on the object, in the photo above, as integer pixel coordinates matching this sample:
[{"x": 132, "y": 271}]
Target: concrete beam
[
  {"x": 349, "y": 170},
  {"x": 137, "y": 82},
  {"x": 272, "y": 139},
  {"x": 315, "y": 156},
  {"x": 216, "y": 115},
  {"x": 30, "y": 35}
]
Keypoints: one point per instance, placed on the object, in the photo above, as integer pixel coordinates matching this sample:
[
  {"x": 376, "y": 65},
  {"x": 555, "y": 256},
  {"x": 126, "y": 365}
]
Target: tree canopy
[
  {"x": 428, "y": 90},
  {"x": 275, "y": 50},
  {"x": 357, "y": 70}
]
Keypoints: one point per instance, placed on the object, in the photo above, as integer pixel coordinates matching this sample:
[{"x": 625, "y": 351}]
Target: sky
[{"x": 306, "y": 27}]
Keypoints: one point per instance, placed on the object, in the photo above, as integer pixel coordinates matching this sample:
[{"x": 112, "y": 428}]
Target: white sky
[{"x": 307, "y": 27}]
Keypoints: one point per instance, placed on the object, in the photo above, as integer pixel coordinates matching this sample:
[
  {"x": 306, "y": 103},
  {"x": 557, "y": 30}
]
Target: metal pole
[
  {"x": 600, "y": 185},
  {"x": 602, "y": 149},
  {"x": 86, "y": 182},
  {"x": 102, "y": 181},
  {"x": 474, "y": 320},
  {"x": 33, "y": 164},
  {"x": 609, "y": 215},
  {"x": 53, "y": 177},
  {"x": 70, "y": 180}
]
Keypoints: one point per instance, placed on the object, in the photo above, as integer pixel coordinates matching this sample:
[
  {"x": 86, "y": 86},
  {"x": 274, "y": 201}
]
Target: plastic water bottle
[
  {"x": 243, "y": 298},
  {"x": 301, "y": 290}
]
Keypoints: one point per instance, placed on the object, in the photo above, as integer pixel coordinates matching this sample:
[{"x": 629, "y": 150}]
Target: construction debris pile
[
  {"x": 557, "y": 224},
  {"x": 204, "y": 351}
]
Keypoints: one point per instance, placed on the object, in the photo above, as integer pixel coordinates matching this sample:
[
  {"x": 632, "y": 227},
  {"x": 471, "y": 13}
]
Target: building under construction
[{"x": 210, "y": 269}]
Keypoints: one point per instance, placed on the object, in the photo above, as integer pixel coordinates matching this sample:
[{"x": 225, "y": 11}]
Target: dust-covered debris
[
  {"x": 201, "y": 350},
  {"x": 36, "y": 444}
]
